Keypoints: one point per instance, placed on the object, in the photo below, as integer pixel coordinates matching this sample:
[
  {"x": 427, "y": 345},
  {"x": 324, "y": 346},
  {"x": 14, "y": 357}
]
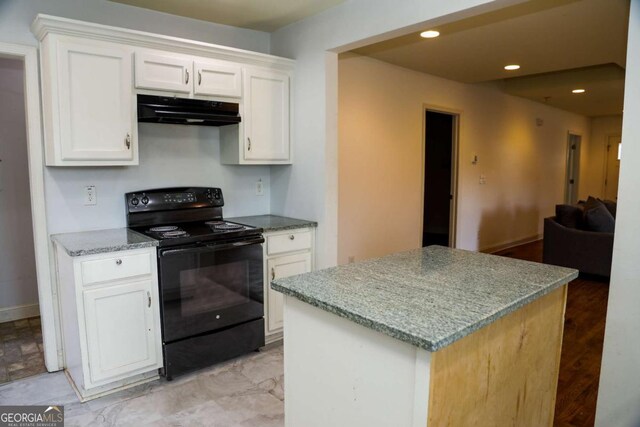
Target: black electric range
[{"x": 210, "y": 275}]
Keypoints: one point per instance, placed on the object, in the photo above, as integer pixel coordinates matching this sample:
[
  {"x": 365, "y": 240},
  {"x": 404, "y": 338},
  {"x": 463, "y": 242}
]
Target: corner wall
[
  {"x": 619, "y": 391},
  {"x": 309, "y": 188},
  {"x": 381, "y": 159}
]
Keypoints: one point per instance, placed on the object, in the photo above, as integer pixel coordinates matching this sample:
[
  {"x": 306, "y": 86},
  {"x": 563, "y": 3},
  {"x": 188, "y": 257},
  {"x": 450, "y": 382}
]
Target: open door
[
  {"x": 614, "y": 147},
  {"x": 440, "y": 139}
]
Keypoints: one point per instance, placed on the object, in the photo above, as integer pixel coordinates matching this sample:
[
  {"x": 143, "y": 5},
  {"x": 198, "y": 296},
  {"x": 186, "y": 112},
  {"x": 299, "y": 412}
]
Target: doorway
[
  {"x": 440, "y": 148},
  {"x": 30, "y": 106},
  {"x": 612, "y": 167},
  {"x": 20, "y": 331},
  {"x": 573, "y": 168}
]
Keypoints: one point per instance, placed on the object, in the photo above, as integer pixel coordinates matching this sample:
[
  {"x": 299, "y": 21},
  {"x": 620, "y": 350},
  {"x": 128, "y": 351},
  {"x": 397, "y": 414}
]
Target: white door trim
[{"x": 42, "y": 245}]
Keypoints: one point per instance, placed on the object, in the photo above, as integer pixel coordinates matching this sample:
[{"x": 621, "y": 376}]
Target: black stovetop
[
  {"x": 197, "y": 232},
  {"x": 195, "y": 211}
]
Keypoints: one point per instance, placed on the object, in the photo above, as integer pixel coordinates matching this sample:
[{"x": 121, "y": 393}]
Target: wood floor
[{"x": 581, "y": 346}]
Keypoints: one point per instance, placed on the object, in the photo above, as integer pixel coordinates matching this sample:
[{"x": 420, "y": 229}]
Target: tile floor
[
  {"x": 246, "y": 392},
  {"x": 21, "y": 349}
]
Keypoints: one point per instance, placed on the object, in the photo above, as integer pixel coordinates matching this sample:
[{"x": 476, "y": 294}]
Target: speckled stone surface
[
  {"x": 102, "y": 241},
  {"x": 427, "y": 297},
  {"x": 273, "y": 222}
]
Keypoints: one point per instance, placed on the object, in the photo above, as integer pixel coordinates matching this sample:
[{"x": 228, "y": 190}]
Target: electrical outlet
[
  {"x": 259, "y": 188},
  {"x": 351, "y": 259},
  {"x": 483, "y": 179},
  {"x": 90, "y": 196}
]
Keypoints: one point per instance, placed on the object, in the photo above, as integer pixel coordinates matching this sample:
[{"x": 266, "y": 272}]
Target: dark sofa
[{"x": 587, "y": 251}]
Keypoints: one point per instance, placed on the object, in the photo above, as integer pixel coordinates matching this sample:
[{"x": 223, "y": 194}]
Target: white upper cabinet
[
  {"x": 90, "y": 84},
  {"x": 168, "y": 72},
  {"x": 179, "y": 74},
  {"x": 263, "y": 136},
  {"x": 89, "y": 107},
  {"x": 218, "y": 78},
  {"x": 266, "y": 115}
]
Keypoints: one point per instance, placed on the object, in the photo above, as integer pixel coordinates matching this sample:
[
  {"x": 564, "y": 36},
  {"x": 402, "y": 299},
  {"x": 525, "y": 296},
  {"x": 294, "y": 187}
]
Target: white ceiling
[
  {"x": 262, "y": 15},
  {"x": 545, "y": 37}
]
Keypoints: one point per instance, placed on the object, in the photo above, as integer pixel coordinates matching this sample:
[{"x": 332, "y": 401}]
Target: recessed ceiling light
[
  {"x": 578, "y": 91},
  {"x": 512, "y": 67},
  {"x": 431, "y": 34}
]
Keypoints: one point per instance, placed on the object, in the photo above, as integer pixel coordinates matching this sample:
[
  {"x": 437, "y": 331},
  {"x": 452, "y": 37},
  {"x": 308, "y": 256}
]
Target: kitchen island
[{"x": 434, "y": 336}]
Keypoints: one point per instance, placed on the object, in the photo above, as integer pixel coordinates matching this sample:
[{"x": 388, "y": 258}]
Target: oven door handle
[
  {"x": 223, "y": 246},
  {"x": 211, "y": 247}
]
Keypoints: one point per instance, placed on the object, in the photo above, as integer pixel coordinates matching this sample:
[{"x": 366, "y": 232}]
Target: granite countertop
[
  {"x": 102, "y": 241},
  {"x": 273, "y": 222},
  {"x": 427, "y": 297}
]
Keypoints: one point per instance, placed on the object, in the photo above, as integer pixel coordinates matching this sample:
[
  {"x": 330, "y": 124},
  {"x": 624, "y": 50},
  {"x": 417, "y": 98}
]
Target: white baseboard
[
  {"x": 18, "y": 312},
  {"x": 501, "y": 247}
]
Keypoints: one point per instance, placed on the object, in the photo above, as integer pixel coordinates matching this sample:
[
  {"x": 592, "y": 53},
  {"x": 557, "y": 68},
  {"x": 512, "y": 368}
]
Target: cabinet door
[
  {"x": 96, "y": 102},
  {"x": 218, "y": 78},
  {"x": 266, "y": 115},
  {"x": 280, "y": 267},
  {"x": 120, "y": 330},
  {"x": 163, "y": 72}
]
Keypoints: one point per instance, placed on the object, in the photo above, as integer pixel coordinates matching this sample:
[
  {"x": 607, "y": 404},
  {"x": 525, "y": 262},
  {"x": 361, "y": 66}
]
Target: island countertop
[{"x": 428, "y": 297}]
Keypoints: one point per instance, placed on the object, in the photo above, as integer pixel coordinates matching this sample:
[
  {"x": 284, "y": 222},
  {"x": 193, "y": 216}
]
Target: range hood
[{"x": 165, "y": 109}]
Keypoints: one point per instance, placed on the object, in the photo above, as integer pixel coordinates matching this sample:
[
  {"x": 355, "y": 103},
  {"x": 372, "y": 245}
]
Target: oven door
[{"x": 208, "y": 287}]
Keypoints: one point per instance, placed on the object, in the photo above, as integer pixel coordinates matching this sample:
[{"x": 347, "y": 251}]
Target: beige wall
[
  {"x": 592, "y": 176},
  {"x": 380, "y": 159}
]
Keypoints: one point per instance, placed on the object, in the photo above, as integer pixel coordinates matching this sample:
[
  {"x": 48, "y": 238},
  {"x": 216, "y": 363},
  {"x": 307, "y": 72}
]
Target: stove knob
[
  {"x": 135, "y": 201},
  {"x": 145, "y": 200}
]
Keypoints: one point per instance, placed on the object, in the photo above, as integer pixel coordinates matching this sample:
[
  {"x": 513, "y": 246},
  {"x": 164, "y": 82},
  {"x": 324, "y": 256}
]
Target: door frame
[
  {"x": 43, "y": 248},
  {"x": 455, "y": 152},
  {"x": 566, "y": 170},
  {"x": 605, "y": 165}
]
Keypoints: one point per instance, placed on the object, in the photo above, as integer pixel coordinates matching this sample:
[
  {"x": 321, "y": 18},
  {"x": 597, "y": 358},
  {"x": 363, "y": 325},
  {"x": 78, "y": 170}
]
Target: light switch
[{"x": 483, "y": 179}]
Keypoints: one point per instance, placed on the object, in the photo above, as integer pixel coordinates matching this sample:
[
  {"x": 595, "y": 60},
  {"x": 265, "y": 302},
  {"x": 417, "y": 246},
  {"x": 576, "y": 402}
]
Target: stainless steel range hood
[{"x": 197, "y": 112}]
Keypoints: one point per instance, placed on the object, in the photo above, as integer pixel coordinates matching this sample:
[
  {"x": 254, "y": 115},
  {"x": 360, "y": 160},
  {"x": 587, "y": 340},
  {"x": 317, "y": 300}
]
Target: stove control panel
[{"x": 173, "y": 199}]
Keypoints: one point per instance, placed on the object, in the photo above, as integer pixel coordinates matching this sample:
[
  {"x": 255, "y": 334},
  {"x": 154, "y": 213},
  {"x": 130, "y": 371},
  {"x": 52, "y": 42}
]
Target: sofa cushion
[
  {"x": 598, "y": 218},
  {"x": 611, "y": 206},
  {"x": 591, "y": 203},
  {"x": 569, "y": 216}
]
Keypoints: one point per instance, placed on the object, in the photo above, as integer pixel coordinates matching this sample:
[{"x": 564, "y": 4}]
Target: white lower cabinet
[
  {"x": 109, "y": 334},
  {"x": 294, "y": 249},
  {"x": 111, "y": 328}
]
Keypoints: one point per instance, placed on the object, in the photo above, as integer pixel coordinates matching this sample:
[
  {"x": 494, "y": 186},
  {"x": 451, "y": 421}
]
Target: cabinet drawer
[
  {"x": 294, "y": 241},
  {"x": 114, "y": 268}
]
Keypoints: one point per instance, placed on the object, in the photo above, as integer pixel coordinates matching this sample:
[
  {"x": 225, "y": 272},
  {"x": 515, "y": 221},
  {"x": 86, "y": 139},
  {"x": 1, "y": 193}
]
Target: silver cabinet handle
[
  {"x": 118, "y": 262},
  {"x": 292, "y": 237},
  {"x": 187, "y": 78},
  {"x": 199, "y": 78},
  {"x": 148, "y": 299},
  {"x": 127, "y": 141},
  {"x": 249, "y": 145},
  {"x": 273, "y": 273}
]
